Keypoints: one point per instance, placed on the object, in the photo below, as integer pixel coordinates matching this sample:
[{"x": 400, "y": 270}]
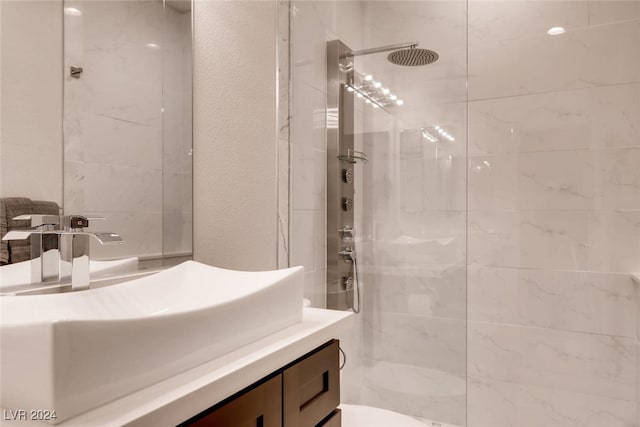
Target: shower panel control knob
[
  {"x": 347, "y": 283},
  {"x": 347, "y": 231},
  {"x": 347, "y": 175},
  {"x": 347, "y": 204},
  {"x": 346, "y": 254}
]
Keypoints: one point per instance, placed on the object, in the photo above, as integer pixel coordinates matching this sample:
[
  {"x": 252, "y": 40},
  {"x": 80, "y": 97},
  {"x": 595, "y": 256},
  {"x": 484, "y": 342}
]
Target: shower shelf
[{"x": 354, "y": 157}]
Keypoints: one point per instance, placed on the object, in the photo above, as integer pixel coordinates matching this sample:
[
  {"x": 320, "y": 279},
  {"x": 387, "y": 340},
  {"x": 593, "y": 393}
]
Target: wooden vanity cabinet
[
  {"x": 304, "y": 393},
  {"x": 259, "y": 407},
  {"x": 311, "y": 387}
]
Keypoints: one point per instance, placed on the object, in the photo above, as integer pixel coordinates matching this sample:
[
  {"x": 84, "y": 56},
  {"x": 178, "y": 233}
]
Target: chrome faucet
[
  {"x": 60, "y": 247},
  {"x": 45, "y": 247},
  {"x": 74, "y": 249}
]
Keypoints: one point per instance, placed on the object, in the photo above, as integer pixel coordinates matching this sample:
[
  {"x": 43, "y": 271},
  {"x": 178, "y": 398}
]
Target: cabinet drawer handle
[{"x": 325, "y": 388}]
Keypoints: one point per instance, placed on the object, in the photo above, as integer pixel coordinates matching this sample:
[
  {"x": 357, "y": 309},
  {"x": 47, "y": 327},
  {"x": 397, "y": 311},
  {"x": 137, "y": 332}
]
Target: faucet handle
[
  {"x": 39, "y": 220},
  {"x": 74, "y": 222},
  {"x": 347, "y": 231},
  {"x": 347, "y": 254},
  {"x": 75, "y": 225},
  {"x": 77, "y": 222}
]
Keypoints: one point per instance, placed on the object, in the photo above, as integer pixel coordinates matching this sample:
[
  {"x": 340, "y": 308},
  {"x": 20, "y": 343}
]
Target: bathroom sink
[{"x": 74, "y": 351}]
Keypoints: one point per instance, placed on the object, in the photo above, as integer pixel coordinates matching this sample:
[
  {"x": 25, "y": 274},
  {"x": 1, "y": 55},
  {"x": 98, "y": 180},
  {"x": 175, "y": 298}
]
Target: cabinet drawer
[
  {"x": 312, "y": 387},
  {"x": 258, "y": 407},
  {"x": 335, "y": 420}
]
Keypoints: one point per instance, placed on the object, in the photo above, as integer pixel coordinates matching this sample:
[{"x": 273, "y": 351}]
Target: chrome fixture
[
  {"x": 354, "y": 156},
  {"x": 342, "y": 89},
  {"x": 347, "y": 204},
  {"x": 413, "y": 57},
  {"x": 347, "y": 283},
  {"x": 347, "y": 232},
  {"x": 74, "y": 249},
  {"x": 406, "y": 54},
  {"x": 347, "y": 254},
  {"x": 75, "y": 72},
  {"x": 60, "y": 247},
  {"x": 45, "y": 247},
  {"x": 387, "y": 48},
  {"x": 347, "y": 175}
]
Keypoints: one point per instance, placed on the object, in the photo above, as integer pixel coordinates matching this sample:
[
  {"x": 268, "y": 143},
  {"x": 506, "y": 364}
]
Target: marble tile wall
[
  {"x": 120, "y": 150},
  {"x": 554, "y": 213}
]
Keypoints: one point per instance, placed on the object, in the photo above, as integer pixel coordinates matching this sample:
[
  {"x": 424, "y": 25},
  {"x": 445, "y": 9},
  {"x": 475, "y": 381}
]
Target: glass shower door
[
  {"x": 408, "y": 350},
  {"x": 414, "y": 218}
]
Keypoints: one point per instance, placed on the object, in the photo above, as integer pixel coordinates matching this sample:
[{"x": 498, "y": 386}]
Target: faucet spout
[
  {"x": 106, "y": 238},
  {"x": 75, "y": 246}
]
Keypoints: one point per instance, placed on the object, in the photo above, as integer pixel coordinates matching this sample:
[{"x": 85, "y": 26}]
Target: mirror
[{"x": 96, "y": 118}]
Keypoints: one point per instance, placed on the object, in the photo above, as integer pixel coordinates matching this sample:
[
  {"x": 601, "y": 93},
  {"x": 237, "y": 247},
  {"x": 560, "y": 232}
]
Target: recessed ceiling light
[
  {"x": 152, "y": 46},
  {"x": 72, "y": 11},
  {"x": 554, "y": 31}
]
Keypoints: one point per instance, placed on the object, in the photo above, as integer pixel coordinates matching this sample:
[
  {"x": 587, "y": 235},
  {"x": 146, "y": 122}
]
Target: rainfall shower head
[
  {"x": 407, "y": 54},
  {"x": 412, "y": 57}
]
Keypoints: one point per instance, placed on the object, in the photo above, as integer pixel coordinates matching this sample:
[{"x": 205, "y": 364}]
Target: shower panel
[
  {"x": 341, "y": 159},
  {"x": 342, "y": 278}
]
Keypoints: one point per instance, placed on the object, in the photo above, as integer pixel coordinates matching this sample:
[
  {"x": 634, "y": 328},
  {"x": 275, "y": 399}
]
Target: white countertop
[
  {"x": 176, "y": 399},
  {"x": 636, "y": 277}
]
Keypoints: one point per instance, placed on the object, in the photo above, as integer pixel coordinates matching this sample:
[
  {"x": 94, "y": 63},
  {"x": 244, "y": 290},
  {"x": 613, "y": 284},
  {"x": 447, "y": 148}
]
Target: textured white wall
[
  {"x": 235, "y": 203},
  {"x": 31, "y": 93}
]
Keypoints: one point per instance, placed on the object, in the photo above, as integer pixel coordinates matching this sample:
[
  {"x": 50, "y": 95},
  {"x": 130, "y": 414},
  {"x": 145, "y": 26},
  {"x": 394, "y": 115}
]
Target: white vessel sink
[{"x": 74, "y": 351}]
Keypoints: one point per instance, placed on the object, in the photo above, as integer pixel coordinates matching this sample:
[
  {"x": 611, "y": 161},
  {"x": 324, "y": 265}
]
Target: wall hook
[{"x": 76, "y": 71}]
